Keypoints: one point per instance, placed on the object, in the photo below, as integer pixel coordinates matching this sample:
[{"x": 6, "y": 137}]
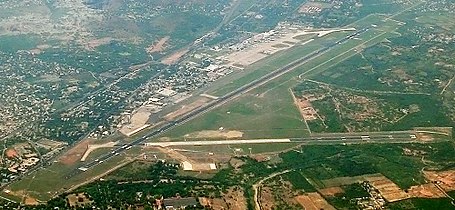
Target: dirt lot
[
  {"x": 138, "y": 120},
  {"x": 313, "y": 201},
  {"x": 233, "y": 200},
  {"x": 92, "y": 44},
  {"x": 266, "y": 198},
  {"x": 29, "y": 201},
  {"x": 306, "y": 110},
  {"x": 187, "y": 108},
  {"x": 425, "y": 191},
  {"x": 11, "y": 153},
  {"x": 213, "y": 134},
  {"x": 445, "y": 179},
  {"x": 389, "y": 190},
  {"x": 191, "y": 164},
  {"x": 331, "y": 191},
  {"x": 158, "y": 47},
  {"x": 213, "y": 203},
  {"x": 74, "y": 154},
  {"x": 236, "y": 163},
  {"x": 174, "y": 57},
  {"x": 78, "y": 200}
]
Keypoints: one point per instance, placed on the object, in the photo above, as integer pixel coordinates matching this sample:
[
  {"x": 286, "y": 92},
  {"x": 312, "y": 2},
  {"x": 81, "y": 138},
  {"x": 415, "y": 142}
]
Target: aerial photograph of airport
[{"x": 227, "y": 104}]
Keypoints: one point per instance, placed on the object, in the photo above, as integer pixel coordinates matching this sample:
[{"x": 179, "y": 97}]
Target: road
[{"x": 257, "y": 188}]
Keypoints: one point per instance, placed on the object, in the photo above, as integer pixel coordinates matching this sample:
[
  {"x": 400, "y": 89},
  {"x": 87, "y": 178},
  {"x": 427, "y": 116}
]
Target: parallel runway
[{"x": 215, "y": 103}]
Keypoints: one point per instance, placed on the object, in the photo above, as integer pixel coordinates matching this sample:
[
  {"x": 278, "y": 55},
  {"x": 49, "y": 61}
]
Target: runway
[{"x": 332, "y": 138}]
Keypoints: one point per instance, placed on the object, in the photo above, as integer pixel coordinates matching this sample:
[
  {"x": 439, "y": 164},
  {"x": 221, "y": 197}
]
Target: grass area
[
  {"x": 136, "y": 170},
  {"x": 45, "y": 183},
  {"x": 10, "y": 197},
  {"x": 243, "y": 7},
  {"x": 268, "y": 115},
  {"x": 343, "y": 201},
  {"x": 298, "y": 181},
  {"x": 442, "y": 19},
  {"x": 240, "y": 149},
  {"x": 16, "y": 43},
  {"x": 97, "y": 153},
  {"x": 48, "y": 182},
  {"x": 265, "y": 148},
  {"x": 422, "y": 203}
]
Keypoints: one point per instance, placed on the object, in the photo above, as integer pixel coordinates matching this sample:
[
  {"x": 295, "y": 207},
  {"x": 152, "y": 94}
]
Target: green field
[
  {"x": 256, "y": 116},
  {"x": 422, "y": 203},
  {"x": 50, "y": 181}
]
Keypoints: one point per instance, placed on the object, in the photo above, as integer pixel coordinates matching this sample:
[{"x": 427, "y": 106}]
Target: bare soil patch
[
  {"x": 236, "y": 163},
  {"x": 445, "y": 179},
  {"x": 78, "y": 200},
  {"x": 159, "y": 46},
  {"x": 187, "y": 163},
  {"x": 214, "y": 134},
  {"x": 174, "y": 57},
  {"x": 313, "y": 201},
  {"x": 426, "y": 191},
  {"x": 266, "y": 199},
  {"x": 164, "y": 139},
  {"x": 138, "y": 120},
  {"x": 389, "y": 190},
  {"x": 305, "y": 107},
  {"x": 11, "y": 153},
  {"x": 424, "y": 137},
  {"x": 311, "y": 8},
  {"x": 30, "y": 201},
  {"x": 233, "y": 200},
  {"x": 92, "y": 44},
  {"x": 213, "y": 203},
  {"x": 74, "y": 154},
  {"x": 331, "y": 191},
  {"x": 39, "y": 49}
]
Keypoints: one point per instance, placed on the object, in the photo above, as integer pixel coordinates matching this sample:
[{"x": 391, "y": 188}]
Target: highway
[{"x": 215, "y": 103}]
